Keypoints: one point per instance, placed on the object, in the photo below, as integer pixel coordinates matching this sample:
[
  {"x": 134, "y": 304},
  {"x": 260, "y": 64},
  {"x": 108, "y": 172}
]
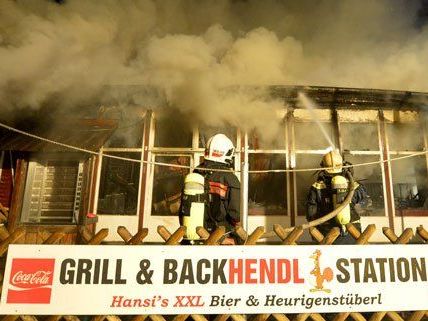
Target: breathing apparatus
[{"x": 193, "y": 204}]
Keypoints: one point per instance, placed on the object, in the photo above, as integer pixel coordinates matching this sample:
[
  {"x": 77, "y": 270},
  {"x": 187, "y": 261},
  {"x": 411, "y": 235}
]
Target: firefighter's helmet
[
  {"x": 220, "y": 149},
  {"x": 333, "y": 162}
]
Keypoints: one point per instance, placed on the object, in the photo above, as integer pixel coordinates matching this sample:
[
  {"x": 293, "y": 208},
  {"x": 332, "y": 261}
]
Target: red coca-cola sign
[{"x": 31, "y": 281}]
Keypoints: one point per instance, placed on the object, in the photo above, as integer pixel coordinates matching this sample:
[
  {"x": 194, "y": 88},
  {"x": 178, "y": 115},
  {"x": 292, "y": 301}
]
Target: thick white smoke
[{"x": 202, "y": 56}]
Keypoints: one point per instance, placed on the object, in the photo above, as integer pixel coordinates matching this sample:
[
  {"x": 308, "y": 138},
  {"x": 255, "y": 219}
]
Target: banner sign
[{"x": 155, "y": 279}]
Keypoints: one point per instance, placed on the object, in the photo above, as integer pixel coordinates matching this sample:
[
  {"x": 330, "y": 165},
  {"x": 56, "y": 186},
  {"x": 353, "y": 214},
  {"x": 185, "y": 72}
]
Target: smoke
[{"x": 209, "y": 59}]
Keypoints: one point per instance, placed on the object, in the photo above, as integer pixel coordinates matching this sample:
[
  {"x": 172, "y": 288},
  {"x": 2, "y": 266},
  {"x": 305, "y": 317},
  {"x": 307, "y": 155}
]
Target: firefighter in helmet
[
  {"x": 329, "y": 191},
  {"x": 211, "y": 196}
]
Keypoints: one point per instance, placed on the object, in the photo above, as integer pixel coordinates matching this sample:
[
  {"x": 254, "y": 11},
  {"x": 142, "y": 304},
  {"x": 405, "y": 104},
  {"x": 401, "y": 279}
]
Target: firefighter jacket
[
  {"x": 319, "y": 202},
  {"x": 224, "y": 196}
]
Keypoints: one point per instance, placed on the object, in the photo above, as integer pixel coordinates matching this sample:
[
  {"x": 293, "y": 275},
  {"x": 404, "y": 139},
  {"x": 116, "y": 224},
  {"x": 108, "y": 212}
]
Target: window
[
  {"x": 119, "y": 184},
  {"x": 127, "y": 135},
  {"x": 360, "y": 142},
  {"x": 352, "y": 136},
  {"x": 312, "y": 138},
  {"x": 370, "y": 176},
  {"x": 274, "y": 141},
  {"x": 405, "y": 136},
  {"x": 172, "y": 130},
  {"x": 409, "y": 175},
  {"x": 313, "y": 135},
  {"x": 305, "y": 179},
  {"x": 409, "y": 181},
  {"x": 52, "y": 193},
  {"x": 267, "y": 192},
  {"x": 168, "y": 182}
]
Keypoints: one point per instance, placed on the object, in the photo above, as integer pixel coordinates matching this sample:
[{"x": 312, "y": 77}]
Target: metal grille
[{"x": 53, "y": 192}]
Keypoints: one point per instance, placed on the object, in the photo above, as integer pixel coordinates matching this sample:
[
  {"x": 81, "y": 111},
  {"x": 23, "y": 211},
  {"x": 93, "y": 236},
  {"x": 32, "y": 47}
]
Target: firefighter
[
  {"x": 329, "y": 191},
  {"x": 221, "y": 195}
]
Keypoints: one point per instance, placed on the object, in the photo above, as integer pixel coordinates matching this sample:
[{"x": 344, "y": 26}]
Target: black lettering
[
  {"x": 84, "y": 269},
  {"x": 358, "y": 299},
  {"x": 118, "y": 277},
  {"x": 391, "y": 269},
  {"x": 97, "y": 265},
  {"x": 270, "y": 299},
  {"x": 326, "y": 301},
  {"x": 218, "y": 271},
  {"x": 340, "y": 264},
  {"x": 66, "y": 275},
  {"x": 187, "y": 272},
  {"x": 144, "y": 276},
  {"x": 381, "y": 261},
  {"x": 356, "y": 263},
  {"x": 419, "y": 268},
  {"x": 170, "y": 275},
  {"x": 403, "y": 269},
  {"x": 104, "y": 276},
  {"x": 369, "y": 271},
  {"x": 200, "y": 277}
]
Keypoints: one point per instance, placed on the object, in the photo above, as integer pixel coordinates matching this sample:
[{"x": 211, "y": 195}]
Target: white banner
[{"x": 154, "y": 279}]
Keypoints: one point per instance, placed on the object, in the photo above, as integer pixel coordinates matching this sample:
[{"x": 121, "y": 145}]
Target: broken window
[
  {"x": 168, "y": 183},
  {"x": 409, "y": 181},
  {"x": 311, "y": 137},
  {"x": 52, "y": 192},
  {"x": 409, "y": 175},
  {"x": 370, "y": 176},
  {"x": 305, "y": 179},
  {"x": 119, "y": 183},
  {"x": 360, "y": 141},
  {"x": 267, "y": 192}
]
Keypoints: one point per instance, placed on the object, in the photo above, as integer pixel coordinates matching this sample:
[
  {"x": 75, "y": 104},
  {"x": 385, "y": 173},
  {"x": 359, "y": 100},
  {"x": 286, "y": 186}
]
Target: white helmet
[{"x": 220, "y": 149}]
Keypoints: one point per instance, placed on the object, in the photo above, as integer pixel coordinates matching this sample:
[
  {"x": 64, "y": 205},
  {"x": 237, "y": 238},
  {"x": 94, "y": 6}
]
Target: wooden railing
[{"x": 175, "y": 237}]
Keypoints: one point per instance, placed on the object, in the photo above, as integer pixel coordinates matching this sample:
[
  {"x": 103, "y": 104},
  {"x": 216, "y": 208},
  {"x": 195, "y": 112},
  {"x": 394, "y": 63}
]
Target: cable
[
  {"x": 295, "y": 170},
  {"x": 266, "y": 235}
]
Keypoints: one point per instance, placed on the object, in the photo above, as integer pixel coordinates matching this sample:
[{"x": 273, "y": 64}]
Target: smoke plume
[{"x": 204, "y": 57}]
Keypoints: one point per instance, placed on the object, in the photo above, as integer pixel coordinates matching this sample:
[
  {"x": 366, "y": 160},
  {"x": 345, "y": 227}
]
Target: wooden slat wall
[{"x": 174, "y": 238}]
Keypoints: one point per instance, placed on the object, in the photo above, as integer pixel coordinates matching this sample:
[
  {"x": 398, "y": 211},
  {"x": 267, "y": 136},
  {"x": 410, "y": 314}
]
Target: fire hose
[{"x": 324, "y": 218}]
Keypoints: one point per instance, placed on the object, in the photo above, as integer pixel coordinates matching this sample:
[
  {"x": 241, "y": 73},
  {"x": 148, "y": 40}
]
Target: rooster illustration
[{"x": 320, "y": 276}]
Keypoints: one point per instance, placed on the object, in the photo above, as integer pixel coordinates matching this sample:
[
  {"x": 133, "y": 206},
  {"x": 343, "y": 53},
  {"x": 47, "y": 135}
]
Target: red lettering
[
  {"x": 253, "y": 271},
  {"x": 296, "y": 277},
  {"x": 284, "y": 271},
  {"x": 267, "y": 271},
  {"x": 249, "y": 270},
  {"x": 235, "y": 271}
]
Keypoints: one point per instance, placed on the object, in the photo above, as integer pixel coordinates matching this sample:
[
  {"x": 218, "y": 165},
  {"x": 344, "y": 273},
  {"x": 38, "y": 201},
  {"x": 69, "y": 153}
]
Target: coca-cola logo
[
  {"x": 38, "y": 278},
  {"x": 31, "y": 281}
]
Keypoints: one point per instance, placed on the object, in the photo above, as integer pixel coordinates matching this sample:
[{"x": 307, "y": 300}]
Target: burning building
[
  {"x": 125, "y": 172},
  {"x": 224, "y": 66}
]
